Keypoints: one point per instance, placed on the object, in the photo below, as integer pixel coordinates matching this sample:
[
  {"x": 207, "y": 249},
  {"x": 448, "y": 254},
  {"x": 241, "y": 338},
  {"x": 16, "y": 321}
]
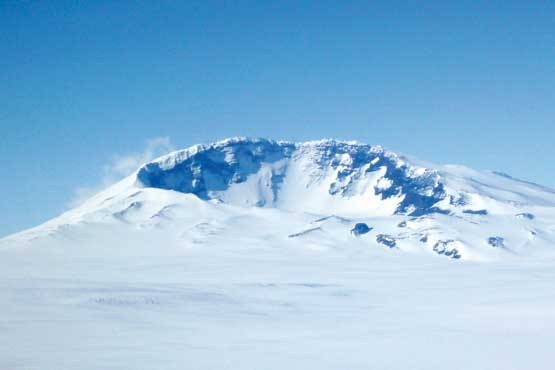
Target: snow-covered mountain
[
  {"x": 322, "y": 193},
  {"x": 257, "y": 254}
]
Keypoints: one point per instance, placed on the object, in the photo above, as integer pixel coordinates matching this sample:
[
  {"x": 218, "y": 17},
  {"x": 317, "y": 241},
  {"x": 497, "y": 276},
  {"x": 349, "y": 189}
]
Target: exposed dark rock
[
  {"x": 386, "y": 240},
  {"x": 205, "y": 170},
  {"x": 308, "y": 231},
  {"x": 360, "y": 228},
  {"x": 481, "y": 212},
  {"x": 525, "y": 215},
  {"x": 442, "y": 247},
  {"x": 496, "y": 241},
  {"x": 459, "y": 200}
]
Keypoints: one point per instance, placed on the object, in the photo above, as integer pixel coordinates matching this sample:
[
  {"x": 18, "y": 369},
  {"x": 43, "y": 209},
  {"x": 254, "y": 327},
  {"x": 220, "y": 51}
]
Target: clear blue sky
[{"x": 470, "y": 82}]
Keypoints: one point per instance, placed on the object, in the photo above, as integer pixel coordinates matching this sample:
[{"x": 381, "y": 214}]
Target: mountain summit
[
  {"x": 317, "y": 176},
  {"x": 315, "y": 192}
]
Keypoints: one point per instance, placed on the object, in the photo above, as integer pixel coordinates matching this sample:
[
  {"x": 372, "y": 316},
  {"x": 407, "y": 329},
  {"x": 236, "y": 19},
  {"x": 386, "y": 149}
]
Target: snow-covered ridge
[
  {"x": 264, "y": 172},
  {"x": 324, "y": 173}
]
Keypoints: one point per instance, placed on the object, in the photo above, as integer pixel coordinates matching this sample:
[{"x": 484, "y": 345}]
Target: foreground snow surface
[{"x": 131, "y": 298}]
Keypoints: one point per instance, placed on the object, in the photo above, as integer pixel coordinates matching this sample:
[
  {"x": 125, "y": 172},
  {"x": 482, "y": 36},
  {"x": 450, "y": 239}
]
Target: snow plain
[{"x": 218, "y": 297}]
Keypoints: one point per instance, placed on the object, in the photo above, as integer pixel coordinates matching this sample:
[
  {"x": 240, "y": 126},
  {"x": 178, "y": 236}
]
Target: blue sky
[{"x": 88, "y": 89}]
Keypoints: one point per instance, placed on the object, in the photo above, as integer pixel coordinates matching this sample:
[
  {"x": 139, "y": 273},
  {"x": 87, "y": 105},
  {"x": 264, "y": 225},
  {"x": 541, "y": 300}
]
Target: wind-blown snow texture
[{"x": 252, "y": 253}]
